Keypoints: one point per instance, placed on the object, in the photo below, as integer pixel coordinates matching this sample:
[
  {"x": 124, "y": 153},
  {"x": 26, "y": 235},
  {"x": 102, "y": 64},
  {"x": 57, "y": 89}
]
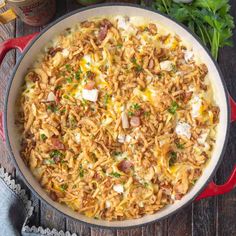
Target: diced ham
[
  {"x": 90, "y": 85},
  {"x": 135, "y": 121},
  {"x": 103, "y": 33},
  {"x": 125, "y": 166},
  {"x": 57, "y": 144}
]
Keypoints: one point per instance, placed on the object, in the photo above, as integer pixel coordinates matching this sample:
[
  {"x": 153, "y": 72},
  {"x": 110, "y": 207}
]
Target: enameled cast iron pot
[{"x": 31, "y": 45}]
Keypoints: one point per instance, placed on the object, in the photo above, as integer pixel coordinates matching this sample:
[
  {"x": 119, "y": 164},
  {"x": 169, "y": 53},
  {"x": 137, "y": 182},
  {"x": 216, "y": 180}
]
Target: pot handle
[
  {"x": 213, "y": 189},
  {"x": 15, "y": 43}
]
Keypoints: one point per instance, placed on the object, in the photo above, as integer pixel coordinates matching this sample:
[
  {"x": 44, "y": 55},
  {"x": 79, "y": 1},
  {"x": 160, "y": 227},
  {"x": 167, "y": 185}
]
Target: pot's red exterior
[{"x": 211, "y": 190}]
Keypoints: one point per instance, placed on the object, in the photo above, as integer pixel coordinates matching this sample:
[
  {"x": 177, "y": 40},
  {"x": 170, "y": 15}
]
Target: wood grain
[
  {"x": 6, "y": 32},
  {"x": 209, "y": 217}
]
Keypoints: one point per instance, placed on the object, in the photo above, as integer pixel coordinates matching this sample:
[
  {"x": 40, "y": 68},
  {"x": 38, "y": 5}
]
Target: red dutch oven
[{"x": 31, "y": 45}]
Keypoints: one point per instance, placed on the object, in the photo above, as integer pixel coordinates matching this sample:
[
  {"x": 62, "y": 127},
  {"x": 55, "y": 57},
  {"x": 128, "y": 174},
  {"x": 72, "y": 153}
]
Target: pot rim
[{"x": 34, "y": 40}]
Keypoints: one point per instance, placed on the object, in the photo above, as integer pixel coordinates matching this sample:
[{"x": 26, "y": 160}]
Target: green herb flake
[
  {"x": 43, "y": 137},
  {"x": 116, "y": 153},
  {"x": 106, "y": 99},
  {"x": 64, "y": 187},
  {"x": 78, "y": 74},
  {"x": 115, "y": 174},
  {"x": 180, "y": 145},
  {"x": 147, "y": 113},
  {"x": 81, "y": 171},
  {"x": 68, "y": 67},
  {"x": 130, "y": 113},
  {"x": 138, "y": 67},
  {"x": 69, "y": 80},
  {"x": 56, "y": 153},
  {"x": 173, "y": 108},
  {"x": 136, "y": 106},
  {"x": 172, "y": 158},
  {"x": 52, "y": 108},
  {"x": 58, "y": 87},
  {"x": 119, "y": 45}
]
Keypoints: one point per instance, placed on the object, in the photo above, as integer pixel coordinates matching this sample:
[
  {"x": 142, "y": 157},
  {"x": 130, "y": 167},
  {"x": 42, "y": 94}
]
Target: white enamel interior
[{"x": 29, "y": 57}]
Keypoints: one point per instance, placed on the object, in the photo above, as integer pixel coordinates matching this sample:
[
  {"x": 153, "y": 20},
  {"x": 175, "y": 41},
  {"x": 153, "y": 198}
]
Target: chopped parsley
[
  {"x": 173, "y": 108},
  {"x": 147, "y": 113},
  {"x": 116, "y": 153},
  {"x": 136, "y": 106},
  {"x": 64, "y": 187},
  {"x": 77, "y": 74},
  {"x": 89, "y": 74},
  {"x": 115, "y": 174},
  {"x": 106, "y": 99},
  {"x": 81, "y": 171},
  {"x": 173, "y": 157},
  {"x": 52, "y": 108},
  {"x": 130, "y": 113},
  {"x": 138, "y": 67},
  {"x": 58, "y": 87},
  {"x": 43, "y": 137},
  {"x": 119, "y": 45},
  {"x": 180, "y": 145},
  {"x": 56, "y": 153},
  {"x": 69, "y": 80},
  {"x": 68, "y": 67}
]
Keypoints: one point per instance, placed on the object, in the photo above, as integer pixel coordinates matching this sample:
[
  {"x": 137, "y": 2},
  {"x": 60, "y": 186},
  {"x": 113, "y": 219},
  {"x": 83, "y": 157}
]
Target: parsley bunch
[{"x": 209, "y": 19}]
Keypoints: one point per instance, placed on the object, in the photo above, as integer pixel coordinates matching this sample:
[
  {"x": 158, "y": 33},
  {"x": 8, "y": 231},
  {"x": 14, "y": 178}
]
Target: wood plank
[
  {"x": 102, "y": 232},
  {"x": 130, "y": 232},
  {"x": 159, "y": 228},
  {"x": 205, "y": 217},
  {"x": 180, "y": 224},
  {"x": 6, "y": 31}
]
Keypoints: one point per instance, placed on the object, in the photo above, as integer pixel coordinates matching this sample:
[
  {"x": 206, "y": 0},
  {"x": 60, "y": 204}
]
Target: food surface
[{"x": 118, "y": 118}]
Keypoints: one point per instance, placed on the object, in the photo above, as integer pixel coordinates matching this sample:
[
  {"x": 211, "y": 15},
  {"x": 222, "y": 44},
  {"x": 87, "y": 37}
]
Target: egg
[
  {"x": 119, "y": 188},
  {"x": 183, "y": 129},
  {"x": 90, "y": 95}
]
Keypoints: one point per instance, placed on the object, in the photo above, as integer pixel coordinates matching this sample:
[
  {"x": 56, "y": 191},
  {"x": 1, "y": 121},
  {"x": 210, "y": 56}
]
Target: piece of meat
[
  {"x": 103, "y": 33},
  {"x": 52, "y": 51},
  {"x": 105, "y": 26},
  {"x": 125, "y": 166},
  {"x": 57, "y": 144},
  {"x": 90, "y": 85},
  {"x": 33, "y": 76},
  {"x": 135, "y": 121}
]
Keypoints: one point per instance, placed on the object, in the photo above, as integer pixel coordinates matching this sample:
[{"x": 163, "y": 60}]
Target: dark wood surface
[{"x": 208, "y": 217}]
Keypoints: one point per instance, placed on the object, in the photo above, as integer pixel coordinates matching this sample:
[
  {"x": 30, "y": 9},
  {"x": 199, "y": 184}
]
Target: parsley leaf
[
  {"x": 115, "y": 174},
  {"x": 173, "y": 108},
  {"x": 172, "y": 158},
  {"x": 209, "y": 19},
  {"x": 43, "y": 137},
  {"x": 64, "y": 187},
  {"x": 137, "y": 67},
  {"x": 180, "y": 145}
]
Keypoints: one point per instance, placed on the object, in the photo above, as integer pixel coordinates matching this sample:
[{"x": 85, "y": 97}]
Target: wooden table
[{"x": 212, "y": 216}]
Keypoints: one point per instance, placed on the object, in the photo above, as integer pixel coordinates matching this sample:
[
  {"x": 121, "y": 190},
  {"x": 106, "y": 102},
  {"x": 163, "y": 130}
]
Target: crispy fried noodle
[{"x": 118, "y": 118}]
